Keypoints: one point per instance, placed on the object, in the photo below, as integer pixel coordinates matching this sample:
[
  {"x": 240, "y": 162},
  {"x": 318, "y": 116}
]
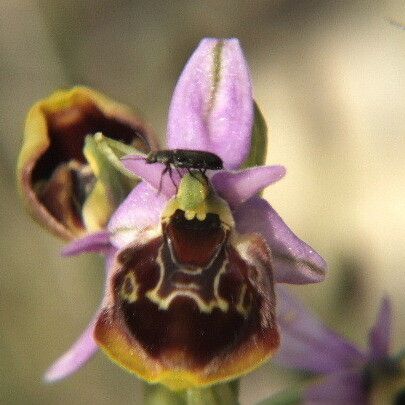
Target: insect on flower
[
  {"x": 187, "y": 159},
  {"x": 189, "y": 298}
]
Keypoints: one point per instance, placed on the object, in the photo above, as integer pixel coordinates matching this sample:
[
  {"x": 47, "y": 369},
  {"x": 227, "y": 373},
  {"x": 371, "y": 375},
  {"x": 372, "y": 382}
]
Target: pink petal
[
  {"x": 152, "y": 174},
  {"x": 78, "y": 355},
  {"x": 142, "y": 208},
  {"x": 307, "y": 344},
  {"x": 212, "y": 105},
  {"x": 98, "y": 242},
  {"x": 238, "y": 187},
  {"x": 380, "y": 335},
  {"x": 294, "y": 261}
]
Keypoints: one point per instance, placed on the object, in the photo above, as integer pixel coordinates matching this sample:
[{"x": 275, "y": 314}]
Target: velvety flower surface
[
  {"x": 160, "y": 319},
  {"x": 345, "y": 374}
]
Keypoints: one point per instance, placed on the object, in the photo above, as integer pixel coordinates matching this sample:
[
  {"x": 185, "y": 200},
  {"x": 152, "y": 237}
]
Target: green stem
[{"x": 221, "y": 394}]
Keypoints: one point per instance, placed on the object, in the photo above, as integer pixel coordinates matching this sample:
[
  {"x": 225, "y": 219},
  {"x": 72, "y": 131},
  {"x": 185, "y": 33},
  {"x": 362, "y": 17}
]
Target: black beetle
[
  {"x": 189, "y": 159},
  {"x": 186, "y": 158}
]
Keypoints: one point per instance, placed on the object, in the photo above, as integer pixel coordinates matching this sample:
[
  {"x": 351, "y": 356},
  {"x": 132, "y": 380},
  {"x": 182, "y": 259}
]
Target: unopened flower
[
  {"x": 61, "y": 180},
  {"x": 343, "y": 373},
  {"x": 189, "y": 296}
]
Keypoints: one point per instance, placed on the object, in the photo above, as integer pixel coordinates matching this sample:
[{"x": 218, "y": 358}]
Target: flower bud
[{"x": 53, "y": 173}]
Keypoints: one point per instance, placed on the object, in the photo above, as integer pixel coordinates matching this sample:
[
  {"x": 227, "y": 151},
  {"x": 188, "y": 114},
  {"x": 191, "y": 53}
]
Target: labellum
[{"x": 191, "y": 303}]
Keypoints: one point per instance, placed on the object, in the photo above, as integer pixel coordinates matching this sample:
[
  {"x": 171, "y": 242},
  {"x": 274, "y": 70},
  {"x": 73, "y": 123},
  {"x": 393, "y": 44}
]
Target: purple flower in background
[
  {"x": 344, "y": 373},
  {"x": 212, "y": 109}
]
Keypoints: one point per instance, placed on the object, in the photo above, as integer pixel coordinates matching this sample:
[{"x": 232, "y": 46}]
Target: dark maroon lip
[{"x": 206, "y": 309}]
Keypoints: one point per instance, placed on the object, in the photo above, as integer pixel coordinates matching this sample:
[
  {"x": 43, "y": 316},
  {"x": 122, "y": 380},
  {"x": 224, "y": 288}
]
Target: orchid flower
[
  {"x": 344, "y": 374},
  {"x": 191, "y": 251},
  {"x": 67, "y": 185}
]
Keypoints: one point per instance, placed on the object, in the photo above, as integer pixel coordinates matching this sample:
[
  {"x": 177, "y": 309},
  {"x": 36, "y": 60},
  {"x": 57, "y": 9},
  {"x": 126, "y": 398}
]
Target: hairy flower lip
[
  {"x": 54, "y": 136},
  {"x": 175, "y": 379},
  {"x": 247, "y": 257},
  {"x": 145, "y": 196}
]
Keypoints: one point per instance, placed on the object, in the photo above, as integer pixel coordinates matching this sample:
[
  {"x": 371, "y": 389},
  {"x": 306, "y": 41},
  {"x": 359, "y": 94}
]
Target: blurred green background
[{"x": 330, "y": 79}]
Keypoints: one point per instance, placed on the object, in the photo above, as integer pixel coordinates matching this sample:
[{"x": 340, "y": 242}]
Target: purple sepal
[
  {"x": 152, "y": 174},
  {"x": 212, "y": 104},
  {"x": 294, "y": 261},
  {"x": 98, "y": 242},
  {"x": 380, "y": 335},
  {"x": 344, "y": 388},
  {"x": 142, "y": 208},
  {"x": 238, "y": 187},
  {"x": 71, "y": 361},
  {"x": 307, "y": 344}
]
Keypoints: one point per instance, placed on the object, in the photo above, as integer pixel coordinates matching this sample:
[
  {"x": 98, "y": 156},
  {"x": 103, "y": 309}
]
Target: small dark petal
[{"x": 68, "y": 127}]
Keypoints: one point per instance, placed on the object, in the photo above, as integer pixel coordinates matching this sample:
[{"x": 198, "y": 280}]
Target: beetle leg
[
  {"x": 164, "y": 171},
  {"x": 169, "y": 169}
]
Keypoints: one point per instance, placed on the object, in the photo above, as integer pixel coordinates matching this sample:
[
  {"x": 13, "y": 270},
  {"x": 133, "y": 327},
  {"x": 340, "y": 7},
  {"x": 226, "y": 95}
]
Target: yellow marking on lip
[
  {"x": 193, "y": 272},
  {"x": 201, "y": 215},
  {"x": 131, "y": 357},
  {"x": 240, "y": 307},
  {"x": 222, "y": 304},
  {"x": 189, "y": 215},
  {"x": 130, "y": 284},
  {"x": 164, "y": 303},
  {"x": 187, "y": 286}
]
